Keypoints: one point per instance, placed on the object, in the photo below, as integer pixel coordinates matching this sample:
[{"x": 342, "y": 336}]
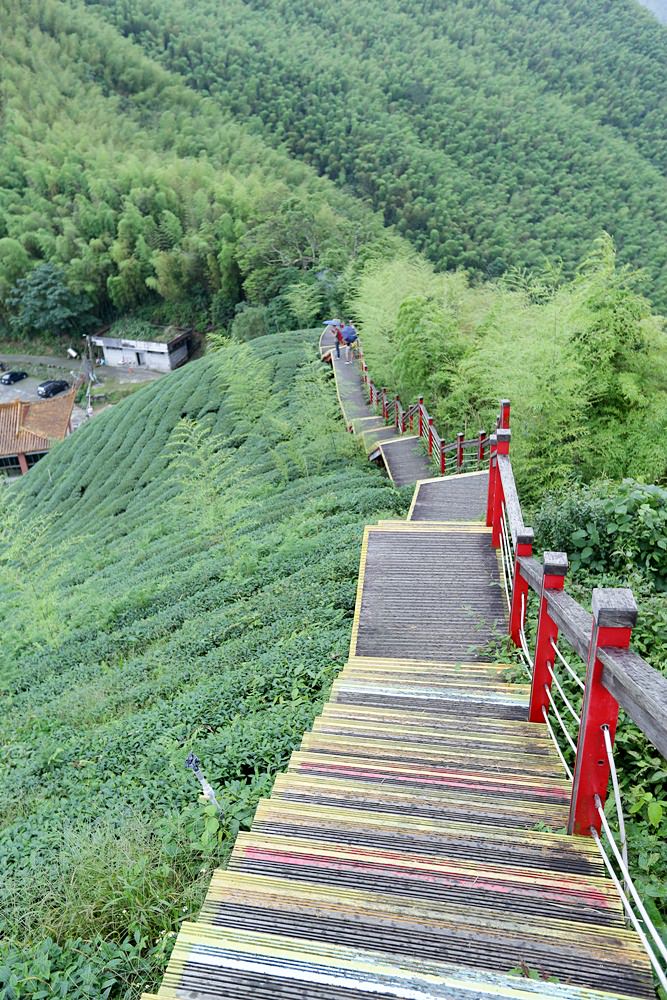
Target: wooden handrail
[
  {"x": 615, "y": 675},
  {"x": 515, "y": 524},
  {"x": 639, "y": 688},
  {"x": 403, "y": 417}
]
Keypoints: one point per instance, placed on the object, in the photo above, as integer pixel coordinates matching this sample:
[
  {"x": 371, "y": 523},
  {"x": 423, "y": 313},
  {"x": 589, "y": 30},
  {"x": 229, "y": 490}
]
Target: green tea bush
[{"x": 178, "y": 575}]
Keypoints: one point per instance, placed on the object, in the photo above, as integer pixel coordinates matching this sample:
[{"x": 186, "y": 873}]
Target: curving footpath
[{"x": 403, "y": 456}]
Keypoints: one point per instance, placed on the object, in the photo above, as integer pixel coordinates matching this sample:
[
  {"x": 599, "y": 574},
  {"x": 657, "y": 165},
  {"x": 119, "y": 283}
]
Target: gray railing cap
[
  {"x": 525, "y": 536},
  {"x": 614, "y": 607},
  {"x": 503, "y": 434},
  {"x": 555, "y": 563}
]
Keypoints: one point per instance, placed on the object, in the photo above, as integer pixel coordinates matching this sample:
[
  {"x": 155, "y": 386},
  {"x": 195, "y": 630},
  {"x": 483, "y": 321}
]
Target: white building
[{"x": 167, "y": 351}]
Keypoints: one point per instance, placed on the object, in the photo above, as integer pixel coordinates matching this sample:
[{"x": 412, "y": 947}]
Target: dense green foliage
[
  {"x": 492, "y": 134},
  {"x": 133, "y": 191},
  {"x": 179, "y": 575},
  {"x": 584, "y": 363},
  {"x": 616, "y": 535}
]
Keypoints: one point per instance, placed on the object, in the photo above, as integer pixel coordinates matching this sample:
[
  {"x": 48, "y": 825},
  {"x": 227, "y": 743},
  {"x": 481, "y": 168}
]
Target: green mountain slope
[
  {"x": 491, "y": 134},
  {"x": 181, "y": 578},
  {"x": 141, "y": 192}
]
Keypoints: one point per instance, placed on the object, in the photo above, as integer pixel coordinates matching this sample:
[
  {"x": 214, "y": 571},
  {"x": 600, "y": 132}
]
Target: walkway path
[
  {"x": 403, "y": 455},
  {"x": 413, "y": 849}
]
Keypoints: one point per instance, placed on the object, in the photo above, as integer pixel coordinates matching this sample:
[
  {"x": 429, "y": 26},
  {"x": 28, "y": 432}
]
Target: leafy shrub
[
  {"x": 249, "y": 323},
  {"x": 618, "y": 528}
]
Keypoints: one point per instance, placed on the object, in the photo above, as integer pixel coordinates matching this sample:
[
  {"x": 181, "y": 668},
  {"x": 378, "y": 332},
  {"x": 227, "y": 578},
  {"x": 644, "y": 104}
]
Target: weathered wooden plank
[
  {"x": 212, "y": 962},
  {"x": 515, "y": 525},
  {"x": 640, "y": 690}
]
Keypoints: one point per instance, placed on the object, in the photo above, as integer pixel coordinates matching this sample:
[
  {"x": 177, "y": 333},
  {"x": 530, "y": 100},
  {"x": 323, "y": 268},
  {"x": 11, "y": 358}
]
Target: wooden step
[
  {"x": 429, "y": 930},
  {"x": 463, "y": 885},
  {"x": 210, "y": 963},
  {"x": 413, "y": 600},
  {"x": 503, "y": 760},
  {"x": 461, "y": 804},
  {"x": 475, "y": 779},
  {"x": 469, "y": 727},
  {"x": 455, "y": 737},
  {"x": 450, "y": 498},
  {"x": 443, "y": 838}
]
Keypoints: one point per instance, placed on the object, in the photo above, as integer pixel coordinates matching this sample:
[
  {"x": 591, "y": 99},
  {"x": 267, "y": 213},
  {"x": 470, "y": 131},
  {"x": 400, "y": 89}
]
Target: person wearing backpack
[{"x": 350, "y": 337}]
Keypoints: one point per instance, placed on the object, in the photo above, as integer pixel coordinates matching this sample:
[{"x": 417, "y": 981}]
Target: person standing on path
[
  {"x": 350, "y": 336},
  {"x": 333, "y": 327}
]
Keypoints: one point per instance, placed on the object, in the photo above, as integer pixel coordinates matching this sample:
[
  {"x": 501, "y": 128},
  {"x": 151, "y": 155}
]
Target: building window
[
  {"x": 34, "y": 458},
  {"x": 10, "y": 466}
]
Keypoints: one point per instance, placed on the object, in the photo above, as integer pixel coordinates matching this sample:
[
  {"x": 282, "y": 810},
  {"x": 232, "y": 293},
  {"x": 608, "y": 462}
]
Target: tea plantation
[{"x": 177, "y": 576}]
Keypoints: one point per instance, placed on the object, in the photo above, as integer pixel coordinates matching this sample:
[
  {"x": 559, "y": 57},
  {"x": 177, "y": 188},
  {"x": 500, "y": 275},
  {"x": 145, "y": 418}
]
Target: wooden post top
[
  {"x": 614, "y": 607},
  {"x": 554, "y": 563}
]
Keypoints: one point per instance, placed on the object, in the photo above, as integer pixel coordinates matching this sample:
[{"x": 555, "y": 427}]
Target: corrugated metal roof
[{"x": 27, "y": 427}]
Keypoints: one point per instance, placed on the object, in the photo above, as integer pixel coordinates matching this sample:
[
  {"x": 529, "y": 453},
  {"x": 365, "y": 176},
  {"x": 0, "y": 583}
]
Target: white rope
[
  {"x": 573, "y": 674},
  {"x": 567, "y": 736},
  {"x": 507, "y": 555},
  {"x": 555, "y": 742},
  {"x": 617, "y": 795},
  {"x": 622, "y": 864},
  {"x": 504, "y": 573},
  {"x": 662, "y": 978},
  {"x": 565, "y": 698},
  {"x": 508, "y": 537},
  {"x": 522, "y": 636}
]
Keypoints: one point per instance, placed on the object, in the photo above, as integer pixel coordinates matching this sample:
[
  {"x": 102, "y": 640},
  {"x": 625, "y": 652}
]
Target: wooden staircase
[{"x": 415, "y": 847}]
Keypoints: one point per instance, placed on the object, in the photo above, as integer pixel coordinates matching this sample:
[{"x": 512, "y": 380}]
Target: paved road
[{"x": 26, "y": 390}]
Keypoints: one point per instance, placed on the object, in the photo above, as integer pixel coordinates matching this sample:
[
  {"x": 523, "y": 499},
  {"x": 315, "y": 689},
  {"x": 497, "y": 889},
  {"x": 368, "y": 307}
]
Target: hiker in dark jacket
[{"x": 350, "y": 337}]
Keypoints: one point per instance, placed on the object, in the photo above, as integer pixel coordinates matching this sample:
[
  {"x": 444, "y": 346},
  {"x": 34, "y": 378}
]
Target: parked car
[
  {"x": 51, "y": 387},
  {"x": 10, "y": 377}
]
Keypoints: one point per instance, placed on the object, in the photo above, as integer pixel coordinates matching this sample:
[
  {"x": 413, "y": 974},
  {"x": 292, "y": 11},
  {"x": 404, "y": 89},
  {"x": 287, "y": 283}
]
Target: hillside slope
[
  {"x": 182, "y": 578},
  {"x": 491, "y": 134},
  {"x": 141, "y": 192}
]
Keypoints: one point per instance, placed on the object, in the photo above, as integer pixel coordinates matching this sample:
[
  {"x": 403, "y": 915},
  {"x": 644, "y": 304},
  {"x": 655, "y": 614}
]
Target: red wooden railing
[
  {"x": 467, "y": 453},
  {"x": 613, "y": 676}
]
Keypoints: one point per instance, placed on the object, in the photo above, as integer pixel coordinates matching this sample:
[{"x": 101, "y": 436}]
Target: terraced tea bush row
[{"x": 207, "y": 534}]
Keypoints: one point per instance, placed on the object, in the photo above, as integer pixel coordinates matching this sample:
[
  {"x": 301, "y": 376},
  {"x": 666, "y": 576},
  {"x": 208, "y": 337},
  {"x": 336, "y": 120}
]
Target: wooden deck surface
[
  {"x": 403, "y": 456},
  {"x": 415, "y": 846}
]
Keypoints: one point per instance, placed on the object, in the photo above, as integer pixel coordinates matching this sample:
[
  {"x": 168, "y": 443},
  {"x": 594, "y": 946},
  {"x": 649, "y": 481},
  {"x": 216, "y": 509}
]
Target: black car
[
  {"x": 10, "y": 377},
  {"x": 51, "y": 387}
]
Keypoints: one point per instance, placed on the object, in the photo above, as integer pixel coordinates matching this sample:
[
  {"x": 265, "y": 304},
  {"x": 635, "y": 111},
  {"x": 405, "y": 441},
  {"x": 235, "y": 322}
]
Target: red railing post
[
  {"x": 430, "y": 435},
  {"x": 504, "y": 413},
  {"x": 420, "y": 402},
  {"x": 502, "y": 448},
  {"x": 524, "y": 547},
  {"x": 553, "y": 578},
  {"x": 385, "y": 410},
  {"x": 396, "y": 405},
  {"x": 443, "y": 460},
  {"x": 482, "y": 443},
  {"x": 493, "y": 472},
  {"x": 459, "y": 450},
  {"x": 614, "y": 616}
]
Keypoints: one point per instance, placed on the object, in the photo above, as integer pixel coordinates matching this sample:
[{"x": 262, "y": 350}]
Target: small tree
[
  {"x": 42, "y": 303},
  {"x": 305, "y": 302}
]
